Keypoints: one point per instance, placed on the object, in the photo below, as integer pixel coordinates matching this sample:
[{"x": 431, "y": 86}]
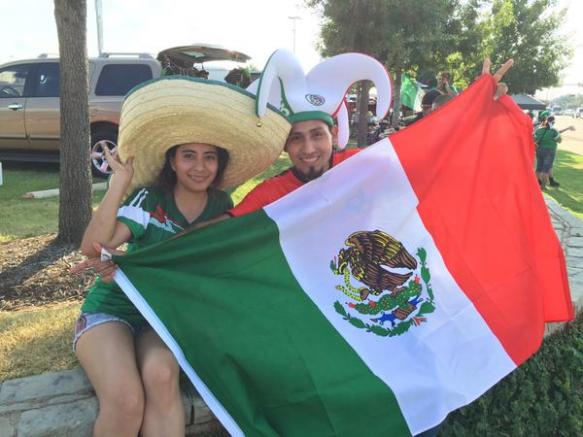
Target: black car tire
[{"x": 104, "y": 137}]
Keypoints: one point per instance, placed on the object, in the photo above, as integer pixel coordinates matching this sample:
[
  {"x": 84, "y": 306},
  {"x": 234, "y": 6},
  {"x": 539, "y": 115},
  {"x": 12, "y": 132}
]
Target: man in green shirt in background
[{"x": 546, "y": 138}]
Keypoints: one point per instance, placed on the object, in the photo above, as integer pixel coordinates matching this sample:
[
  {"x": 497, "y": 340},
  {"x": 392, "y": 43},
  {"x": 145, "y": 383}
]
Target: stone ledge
[
  {"x": 64, "y": 404},
  {"x": 556, "y": 209},
  {"x": 569, "y": 229}
]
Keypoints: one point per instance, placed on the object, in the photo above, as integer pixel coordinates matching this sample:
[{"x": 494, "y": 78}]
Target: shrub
[{"x": 543, "y": 397}]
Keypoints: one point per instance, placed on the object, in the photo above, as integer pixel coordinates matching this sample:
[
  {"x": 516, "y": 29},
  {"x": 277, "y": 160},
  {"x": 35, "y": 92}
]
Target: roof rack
[
  {"x": 138, "y": 55},
  {"x": 48, "y": 55}
]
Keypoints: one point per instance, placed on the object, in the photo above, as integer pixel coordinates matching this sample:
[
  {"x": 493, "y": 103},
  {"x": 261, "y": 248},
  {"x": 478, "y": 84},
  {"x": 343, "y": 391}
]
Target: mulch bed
[{"x": 35, "y": 271}]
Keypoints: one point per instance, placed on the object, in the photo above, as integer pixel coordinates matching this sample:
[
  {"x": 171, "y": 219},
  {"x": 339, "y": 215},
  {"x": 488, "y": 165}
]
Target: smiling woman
[{"x": 175, "y": 156}]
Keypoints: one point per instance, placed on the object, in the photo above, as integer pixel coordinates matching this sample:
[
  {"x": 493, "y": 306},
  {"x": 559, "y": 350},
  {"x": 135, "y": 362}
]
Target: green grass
[
  {"x": 568, "y": 170},
  {"x": 280, "y": 165},
  {"x": 37, "y": 340},
  {"x": 22, "y": 218}
]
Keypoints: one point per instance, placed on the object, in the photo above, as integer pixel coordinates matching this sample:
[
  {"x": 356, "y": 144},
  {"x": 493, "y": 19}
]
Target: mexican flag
[
  {"x": 396, "y": 288},
  {"x": 411, "y": 93}
]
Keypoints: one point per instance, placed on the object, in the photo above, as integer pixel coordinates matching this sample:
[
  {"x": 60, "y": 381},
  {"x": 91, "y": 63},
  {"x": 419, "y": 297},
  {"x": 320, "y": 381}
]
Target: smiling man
[
  {"x": 311, "y": 101},
  {"x": 310, "y": 149}
]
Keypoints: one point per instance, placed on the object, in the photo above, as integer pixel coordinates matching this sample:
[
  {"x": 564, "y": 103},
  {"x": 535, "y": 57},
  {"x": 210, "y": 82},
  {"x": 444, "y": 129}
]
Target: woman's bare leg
[
  {"x": 107, "y": 353},
  {"x": 164, "y": 411}
]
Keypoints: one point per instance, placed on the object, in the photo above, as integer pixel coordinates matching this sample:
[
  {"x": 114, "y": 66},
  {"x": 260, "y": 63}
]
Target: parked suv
[
  {"x": 29, "y": 104},
  {"x": 29, "y": 96}
]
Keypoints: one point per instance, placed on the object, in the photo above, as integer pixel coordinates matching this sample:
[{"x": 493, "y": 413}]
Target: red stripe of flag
[{"x": 500, "y": 246}]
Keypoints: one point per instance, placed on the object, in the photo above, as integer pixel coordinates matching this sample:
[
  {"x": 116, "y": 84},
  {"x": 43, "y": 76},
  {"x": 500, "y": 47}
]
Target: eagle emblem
[{"x": 394, "y": 292}]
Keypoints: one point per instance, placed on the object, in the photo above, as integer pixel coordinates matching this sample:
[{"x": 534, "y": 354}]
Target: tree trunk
[
  {"x": 361, "y": 139},
  {"x": 75, "y": 174},
  {"x": 397, "y": 99}
]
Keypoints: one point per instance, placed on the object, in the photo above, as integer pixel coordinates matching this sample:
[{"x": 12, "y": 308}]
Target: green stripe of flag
[{"x": 253, "y": 336}]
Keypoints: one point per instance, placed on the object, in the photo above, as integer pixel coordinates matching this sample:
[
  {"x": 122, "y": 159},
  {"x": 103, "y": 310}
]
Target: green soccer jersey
[
  {"x": 152, "y": 216},
  {"x": 547, "y": 137}
]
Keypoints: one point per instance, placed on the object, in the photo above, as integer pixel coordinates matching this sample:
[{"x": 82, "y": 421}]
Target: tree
[
  {"x": 525, "y": 30},
  {"x": 529, "y": 35},
  {"x": 419, "y": 34},
  {"x": 75, "y": 175},
  {"x": 464, "y": 55},
  {"x": 421, "y": 37},
  {"x": 406, "y": 35},
  {"x": 352, "y": 26}
]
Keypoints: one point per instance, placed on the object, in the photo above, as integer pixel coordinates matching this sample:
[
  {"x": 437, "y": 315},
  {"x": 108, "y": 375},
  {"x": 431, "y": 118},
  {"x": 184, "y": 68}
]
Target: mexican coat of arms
[{"x": 395, "y": 291}]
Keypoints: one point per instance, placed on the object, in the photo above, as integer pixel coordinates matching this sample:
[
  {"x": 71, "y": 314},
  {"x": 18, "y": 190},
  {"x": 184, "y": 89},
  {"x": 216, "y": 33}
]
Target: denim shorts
[
  {"x": 86, "y": 321},
  {"x": 544, "y": 159}
]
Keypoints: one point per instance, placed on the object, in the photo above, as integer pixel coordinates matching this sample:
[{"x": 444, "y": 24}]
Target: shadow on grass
[
  {"x": 50, "y": 167},
  {"x": 28, "y": 267}
]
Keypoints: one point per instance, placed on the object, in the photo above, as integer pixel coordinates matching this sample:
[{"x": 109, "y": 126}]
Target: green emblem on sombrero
[
  {"x": 319, "y": 94},
  {"x": 404, "y": 298},
  {"x": 315, "y": 99}
]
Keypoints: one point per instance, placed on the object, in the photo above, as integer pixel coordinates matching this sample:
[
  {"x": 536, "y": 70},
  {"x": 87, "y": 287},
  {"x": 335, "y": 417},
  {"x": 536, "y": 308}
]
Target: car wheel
[{"x": 100, "y": 139}]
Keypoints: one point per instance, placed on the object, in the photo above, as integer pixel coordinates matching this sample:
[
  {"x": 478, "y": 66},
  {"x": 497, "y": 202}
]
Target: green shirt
[
  {"x": 152, "y": 216},
  {"x": 547, "y": 137}
]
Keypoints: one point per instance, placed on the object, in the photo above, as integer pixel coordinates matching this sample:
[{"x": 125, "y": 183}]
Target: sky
[
  {"x": 572, "y": 76},
  {"x": 254, "y": 27}
]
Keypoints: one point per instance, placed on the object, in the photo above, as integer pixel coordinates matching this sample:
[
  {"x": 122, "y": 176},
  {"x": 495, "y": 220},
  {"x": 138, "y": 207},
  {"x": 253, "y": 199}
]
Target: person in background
[
  {"x": 546, "y": 139},
  {"x": 440, "y": 101},
  {"x": 444, "y": 84},
  {"x": 426, "y": 107}
]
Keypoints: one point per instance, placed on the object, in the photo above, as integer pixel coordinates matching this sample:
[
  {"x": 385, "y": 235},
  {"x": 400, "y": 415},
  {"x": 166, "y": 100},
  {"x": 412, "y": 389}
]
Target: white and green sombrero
[{"x": 319, "y": 95}]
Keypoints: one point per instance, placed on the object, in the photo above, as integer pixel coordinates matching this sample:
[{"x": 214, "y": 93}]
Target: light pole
[
  {"x": 99, "y": 26},
  {"x": 294, "y": 18}
]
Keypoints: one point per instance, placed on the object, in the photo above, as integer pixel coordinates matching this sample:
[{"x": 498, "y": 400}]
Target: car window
[
  {"x": 13, "y": 81},
  {"x": 47, "y": 80},
  {"x": 118, "y": 79}
]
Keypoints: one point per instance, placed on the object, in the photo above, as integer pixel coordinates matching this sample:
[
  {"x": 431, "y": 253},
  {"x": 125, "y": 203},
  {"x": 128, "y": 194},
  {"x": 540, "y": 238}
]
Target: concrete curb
[
  {"x": 53, "y": 192},
  {"x": 64, "y": 404},
  {"x": 570, "y": 232}
]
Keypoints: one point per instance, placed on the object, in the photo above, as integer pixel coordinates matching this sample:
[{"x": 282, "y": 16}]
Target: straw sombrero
[{"x": 177, "y": 110}]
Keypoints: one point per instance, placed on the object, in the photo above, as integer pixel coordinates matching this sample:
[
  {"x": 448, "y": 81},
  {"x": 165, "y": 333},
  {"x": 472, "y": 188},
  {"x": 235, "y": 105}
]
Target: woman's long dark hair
[{"x": 167, "y": 176}]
